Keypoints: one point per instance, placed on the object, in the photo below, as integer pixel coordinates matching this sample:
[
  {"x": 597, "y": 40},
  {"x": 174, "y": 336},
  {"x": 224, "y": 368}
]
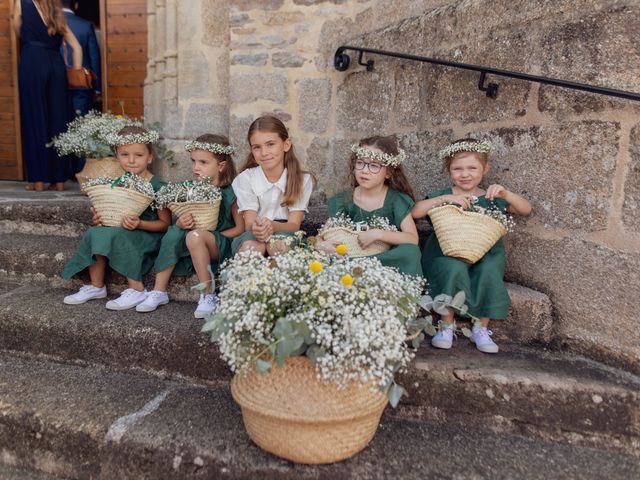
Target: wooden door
[
  {"x": 10, "y": 140},
  {"x": 124, "y": 23}
]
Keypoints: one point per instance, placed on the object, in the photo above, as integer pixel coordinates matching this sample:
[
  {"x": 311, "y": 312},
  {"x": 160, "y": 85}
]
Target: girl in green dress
[
  {"x": 380, "y": 189},
  {"x": 184, "y": 248},
  {"x": 129, "y": 249},
  {"x": 467, "y": 161}
]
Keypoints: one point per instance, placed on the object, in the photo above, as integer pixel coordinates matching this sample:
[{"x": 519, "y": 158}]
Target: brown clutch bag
[{"x": 80, "y": 77}]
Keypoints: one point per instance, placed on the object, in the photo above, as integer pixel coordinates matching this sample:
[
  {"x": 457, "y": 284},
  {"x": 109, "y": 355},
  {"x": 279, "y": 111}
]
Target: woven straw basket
[
  {"x": 112, "y": 204},
  {"x": 205, "y": 215},
  {"x": 465, "y": 235},
  {"x": 289, "y": 413},
  {"x": 350, "y": 239},
  {"x": 93, "y": 168}
]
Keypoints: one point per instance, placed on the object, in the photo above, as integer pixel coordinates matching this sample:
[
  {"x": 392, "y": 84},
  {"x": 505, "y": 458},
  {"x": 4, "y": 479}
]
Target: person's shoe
[
  {"x": 154, "y": 299},
  {"x": 128, "y": 299},
  {"x": 482, "y": 338},
  {"x": 206, "y": 305},
  {"x": 86, "y": 293},
  {"x": 444, "y": 337}
]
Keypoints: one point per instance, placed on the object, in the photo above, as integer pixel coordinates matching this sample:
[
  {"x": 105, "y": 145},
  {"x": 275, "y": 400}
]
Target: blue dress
[{"x": 45, "y": 107}]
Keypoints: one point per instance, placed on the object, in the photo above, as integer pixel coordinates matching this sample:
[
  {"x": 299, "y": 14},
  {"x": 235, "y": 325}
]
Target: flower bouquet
[
  {"x": 113, "y": 199},
  {"x": 315, "y": 341},
  {"x": 87, "y": 136},
  {"x": 469, "y": 234},
  {"x": 199, "y": 197},
  {"x": 342, "y": 229}
]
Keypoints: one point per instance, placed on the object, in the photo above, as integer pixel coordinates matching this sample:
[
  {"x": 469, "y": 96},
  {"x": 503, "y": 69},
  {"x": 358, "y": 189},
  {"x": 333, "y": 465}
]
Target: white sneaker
[
  {"x": 128, "y": 299},
  {"x": 154, "y": 299},
  {"x": 482, "y": 338},
  {"x": 86, "y": 293},
  {"x": 444, "y": 337},
  {"x": 206, "y": 305}
]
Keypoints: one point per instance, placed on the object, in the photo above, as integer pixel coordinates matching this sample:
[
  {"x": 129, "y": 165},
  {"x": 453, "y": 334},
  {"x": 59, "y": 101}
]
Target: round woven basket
[
  {"x": 290, "y": 413},
  {"x": 465, "y": 235},
  {"x": 205, "y": 215},
  {"x": 93, "y": 168},
  {"x": 113, "y": 204},
  {"x": 350, "y": 239}
]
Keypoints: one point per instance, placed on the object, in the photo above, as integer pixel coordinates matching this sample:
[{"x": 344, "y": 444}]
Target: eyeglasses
[{"x": 373, "y": 167}]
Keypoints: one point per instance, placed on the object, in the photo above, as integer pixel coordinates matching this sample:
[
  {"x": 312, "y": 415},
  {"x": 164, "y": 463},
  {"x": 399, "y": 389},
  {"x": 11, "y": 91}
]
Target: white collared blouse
[{"x": 254, "y": 192}]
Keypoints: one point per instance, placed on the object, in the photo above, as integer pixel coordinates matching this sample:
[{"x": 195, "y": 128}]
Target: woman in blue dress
[{"x": 45, "y": 107}]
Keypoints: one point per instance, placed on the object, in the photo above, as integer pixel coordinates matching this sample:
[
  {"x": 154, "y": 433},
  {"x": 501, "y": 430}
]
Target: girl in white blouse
[{"x": 272, "y": 189}]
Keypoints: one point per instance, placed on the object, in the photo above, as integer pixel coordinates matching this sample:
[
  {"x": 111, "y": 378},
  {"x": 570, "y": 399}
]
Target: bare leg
[
  {"x": 448, "y": 318},
  {"x": 96, "y": 271},
  {"x": 135, "y": 284},
  {"x": 484, "y": 321},
  {"x": 203, "y": 249},
  {"x": 163, "y": 278}
]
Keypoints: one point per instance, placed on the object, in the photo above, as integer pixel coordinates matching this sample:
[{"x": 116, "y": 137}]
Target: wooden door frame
[
  {"x": 16, "y": 95},
  {"x": 104, "y": 53}
]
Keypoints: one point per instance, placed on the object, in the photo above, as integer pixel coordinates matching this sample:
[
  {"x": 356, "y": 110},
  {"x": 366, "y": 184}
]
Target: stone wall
[
  {"x": 575, "y": 155},
  {"x": 187, "y": 74}
]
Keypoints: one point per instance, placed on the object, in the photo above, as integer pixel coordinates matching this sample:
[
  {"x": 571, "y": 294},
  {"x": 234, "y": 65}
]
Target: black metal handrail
[{"x": 342, "y": 60}]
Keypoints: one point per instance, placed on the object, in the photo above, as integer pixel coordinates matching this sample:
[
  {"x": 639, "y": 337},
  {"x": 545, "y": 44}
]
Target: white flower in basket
[
  {"x": 342, "y": 229},
  {"x": 116, "y": 198},
  {"x": 334, "y": 326},
  {"x": 198, "y": 197},
  {"x": 469, "y": 234}
]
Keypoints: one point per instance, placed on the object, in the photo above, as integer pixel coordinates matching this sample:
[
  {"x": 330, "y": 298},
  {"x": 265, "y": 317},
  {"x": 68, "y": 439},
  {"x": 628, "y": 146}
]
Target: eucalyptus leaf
[
  {"x": 441, "y": 309},
  {"x": 431, "y": 330},
  {"x": 463, "y": 310},
  {"x": 200, "y": 287},
  {"x": 426, "y": 302},
  {"x": 314, "y": 352},
  {"x": 263, "y": 366},
  {"x": 466, "y": 332},
  {"x": 395, "y": 393},
  {"x": 443, "y": 298},
  {"x": 458, "y": 299},
  {"x": 283, "y": 328},
  {"x": 415, "y": 343}
]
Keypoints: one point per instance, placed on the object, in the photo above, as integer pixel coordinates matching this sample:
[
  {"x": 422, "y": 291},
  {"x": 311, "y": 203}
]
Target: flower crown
[
  {"x": 214, "y": 148},
  {"x": 471, "y": 146},
  {"x": 384, "y": 158},
  {"x": 117, "y": 140}
]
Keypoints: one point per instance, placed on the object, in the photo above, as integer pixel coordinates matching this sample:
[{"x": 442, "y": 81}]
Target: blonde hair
[
  {"x": 482, "y": 157},
  {"x": 295, "y": 174},
  {"x": 52, "y": 15}
]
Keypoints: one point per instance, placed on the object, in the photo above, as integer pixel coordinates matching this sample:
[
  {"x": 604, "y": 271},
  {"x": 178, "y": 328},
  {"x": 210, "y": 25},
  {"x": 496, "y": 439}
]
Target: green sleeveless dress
[
  {"x": 396, "y": 206},
  {"x": 129, "y": 252},
  {"x": 174, "y": 251},
  {"x": 481, "y": 282}
]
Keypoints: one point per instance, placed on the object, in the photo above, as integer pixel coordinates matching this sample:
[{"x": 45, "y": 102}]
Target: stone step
[
  {"x": 67, "y": 213},
  {"x": 520, "y": 390},
  {"x": 78, "y": 422},
  {"x": 11, "y": 473},
  {"x": 527, "y": 391},
  {"x": 29, "y": 257}
]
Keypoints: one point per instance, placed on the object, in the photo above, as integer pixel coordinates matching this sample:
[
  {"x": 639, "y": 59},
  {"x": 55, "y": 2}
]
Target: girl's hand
[
  {"x": 186, "y": 222},
  {"x": 326, "y": 246},
  {"x": 130, "y": 222},
  {"x": 496, "y": 191},
  {"x": 95, "y": 218},
  {"x": 460, "y": 199},
  {"x": 262, "y": 229},
  {"x": 368, "y": 237}
]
